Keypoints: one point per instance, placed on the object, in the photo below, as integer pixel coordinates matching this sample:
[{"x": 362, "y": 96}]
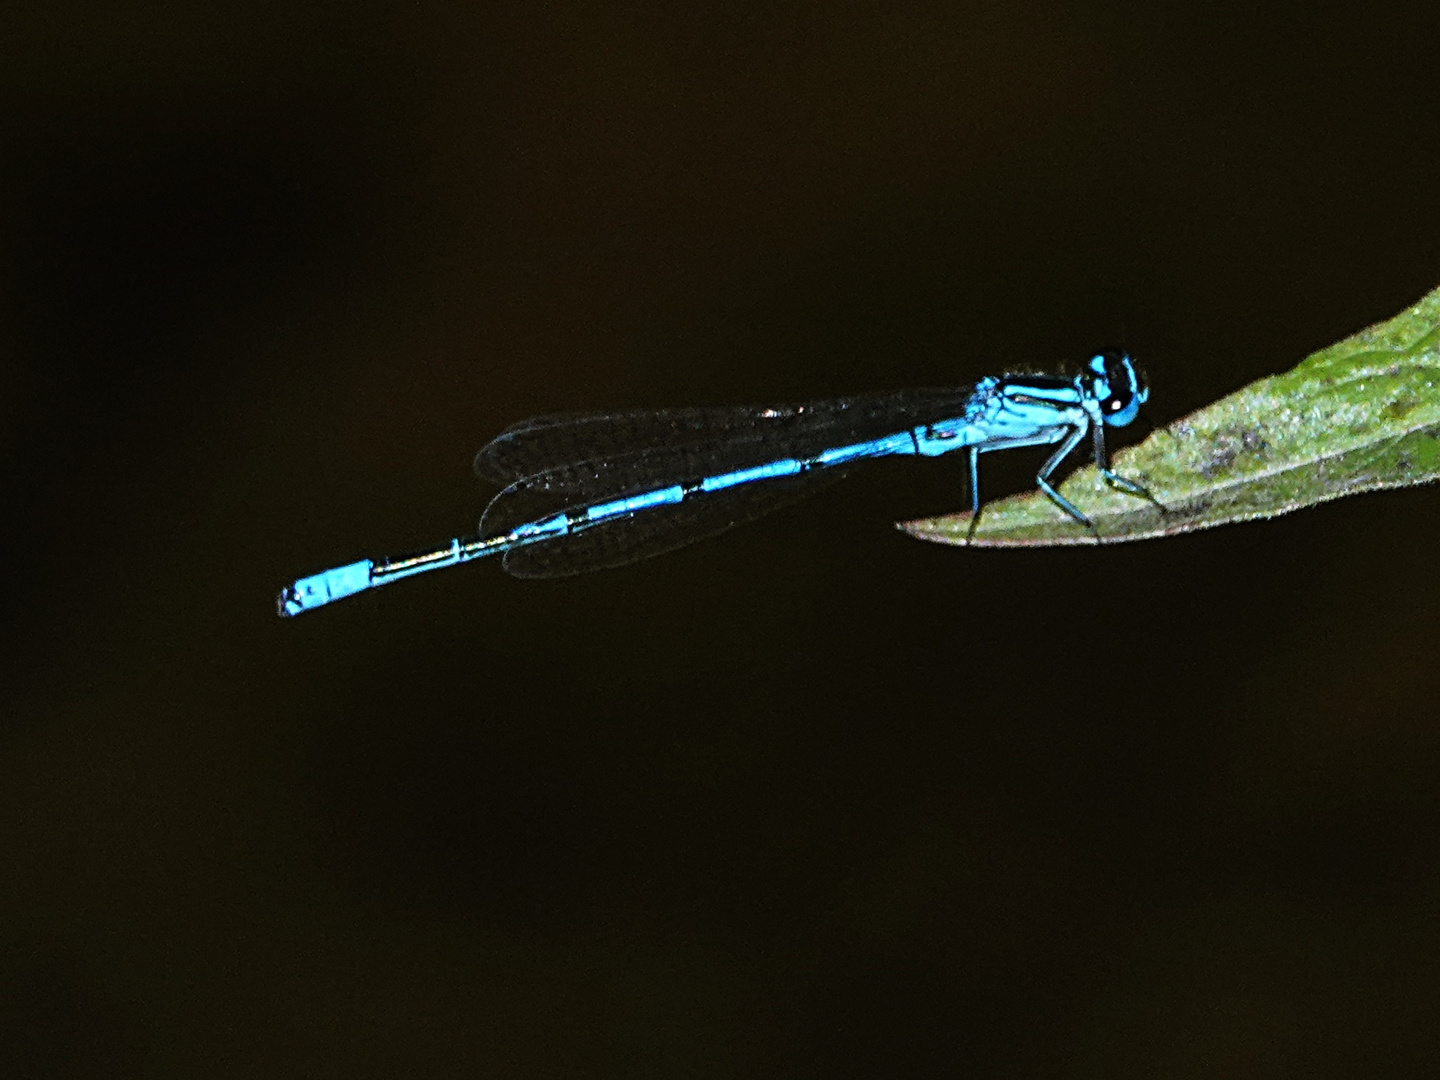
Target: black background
[{"x": 814, "y": 799}]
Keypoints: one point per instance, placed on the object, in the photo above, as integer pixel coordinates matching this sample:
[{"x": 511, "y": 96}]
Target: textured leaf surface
[{"x": 1360, "y": 415}]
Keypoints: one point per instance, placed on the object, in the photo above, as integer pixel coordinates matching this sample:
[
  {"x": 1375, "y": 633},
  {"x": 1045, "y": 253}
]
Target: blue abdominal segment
[
  {"x": 785, "y": 467},
  {"x": 672, "y": 494},
  {"x": 312, "y": 592}
]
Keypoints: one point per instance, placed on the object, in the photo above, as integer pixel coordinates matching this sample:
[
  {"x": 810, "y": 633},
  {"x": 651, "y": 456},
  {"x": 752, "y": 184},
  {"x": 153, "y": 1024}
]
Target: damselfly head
[{"x": 1113, "y": 381}]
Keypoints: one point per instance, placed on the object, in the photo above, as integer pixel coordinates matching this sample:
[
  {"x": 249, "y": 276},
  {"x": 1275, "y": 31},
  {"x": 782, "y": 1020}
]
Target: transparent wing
[
  {"x": 732, "y": 436},
  {"x": 657, "y": 530},
  {"x": 568, "y": 463},
  {"x": 546, "y": 442}
]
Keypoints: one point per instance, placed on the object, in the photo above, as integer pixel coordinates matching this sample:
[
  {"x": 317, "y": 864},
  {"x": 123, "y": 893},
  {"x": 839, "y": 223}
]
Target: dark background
[{"x": 811, "y": 800}]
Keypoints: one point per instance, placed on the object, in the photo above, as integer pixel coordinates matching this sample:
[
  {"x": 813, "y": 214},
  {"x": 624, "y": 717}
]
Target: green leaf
[{"x": 1362, "y": 415}]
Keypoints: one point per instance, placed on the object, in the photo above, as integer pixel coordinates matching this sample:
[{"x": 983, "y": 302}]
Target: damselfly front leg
[{"x": 1114, "y": 479}]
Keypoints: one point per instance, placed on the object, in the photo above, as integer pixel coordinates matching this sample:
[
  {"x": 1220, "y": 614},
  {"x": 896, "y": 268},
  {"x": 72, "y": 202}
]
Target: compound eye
[{"x": 1119, "y": 389}]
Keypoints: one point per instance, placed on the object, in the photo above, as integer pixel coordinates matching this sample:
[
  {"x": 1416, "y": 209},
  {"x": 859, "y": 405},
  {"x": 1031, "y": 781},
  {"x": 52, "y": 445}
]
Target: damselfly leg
[{"x": 1114, "y": 479}]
